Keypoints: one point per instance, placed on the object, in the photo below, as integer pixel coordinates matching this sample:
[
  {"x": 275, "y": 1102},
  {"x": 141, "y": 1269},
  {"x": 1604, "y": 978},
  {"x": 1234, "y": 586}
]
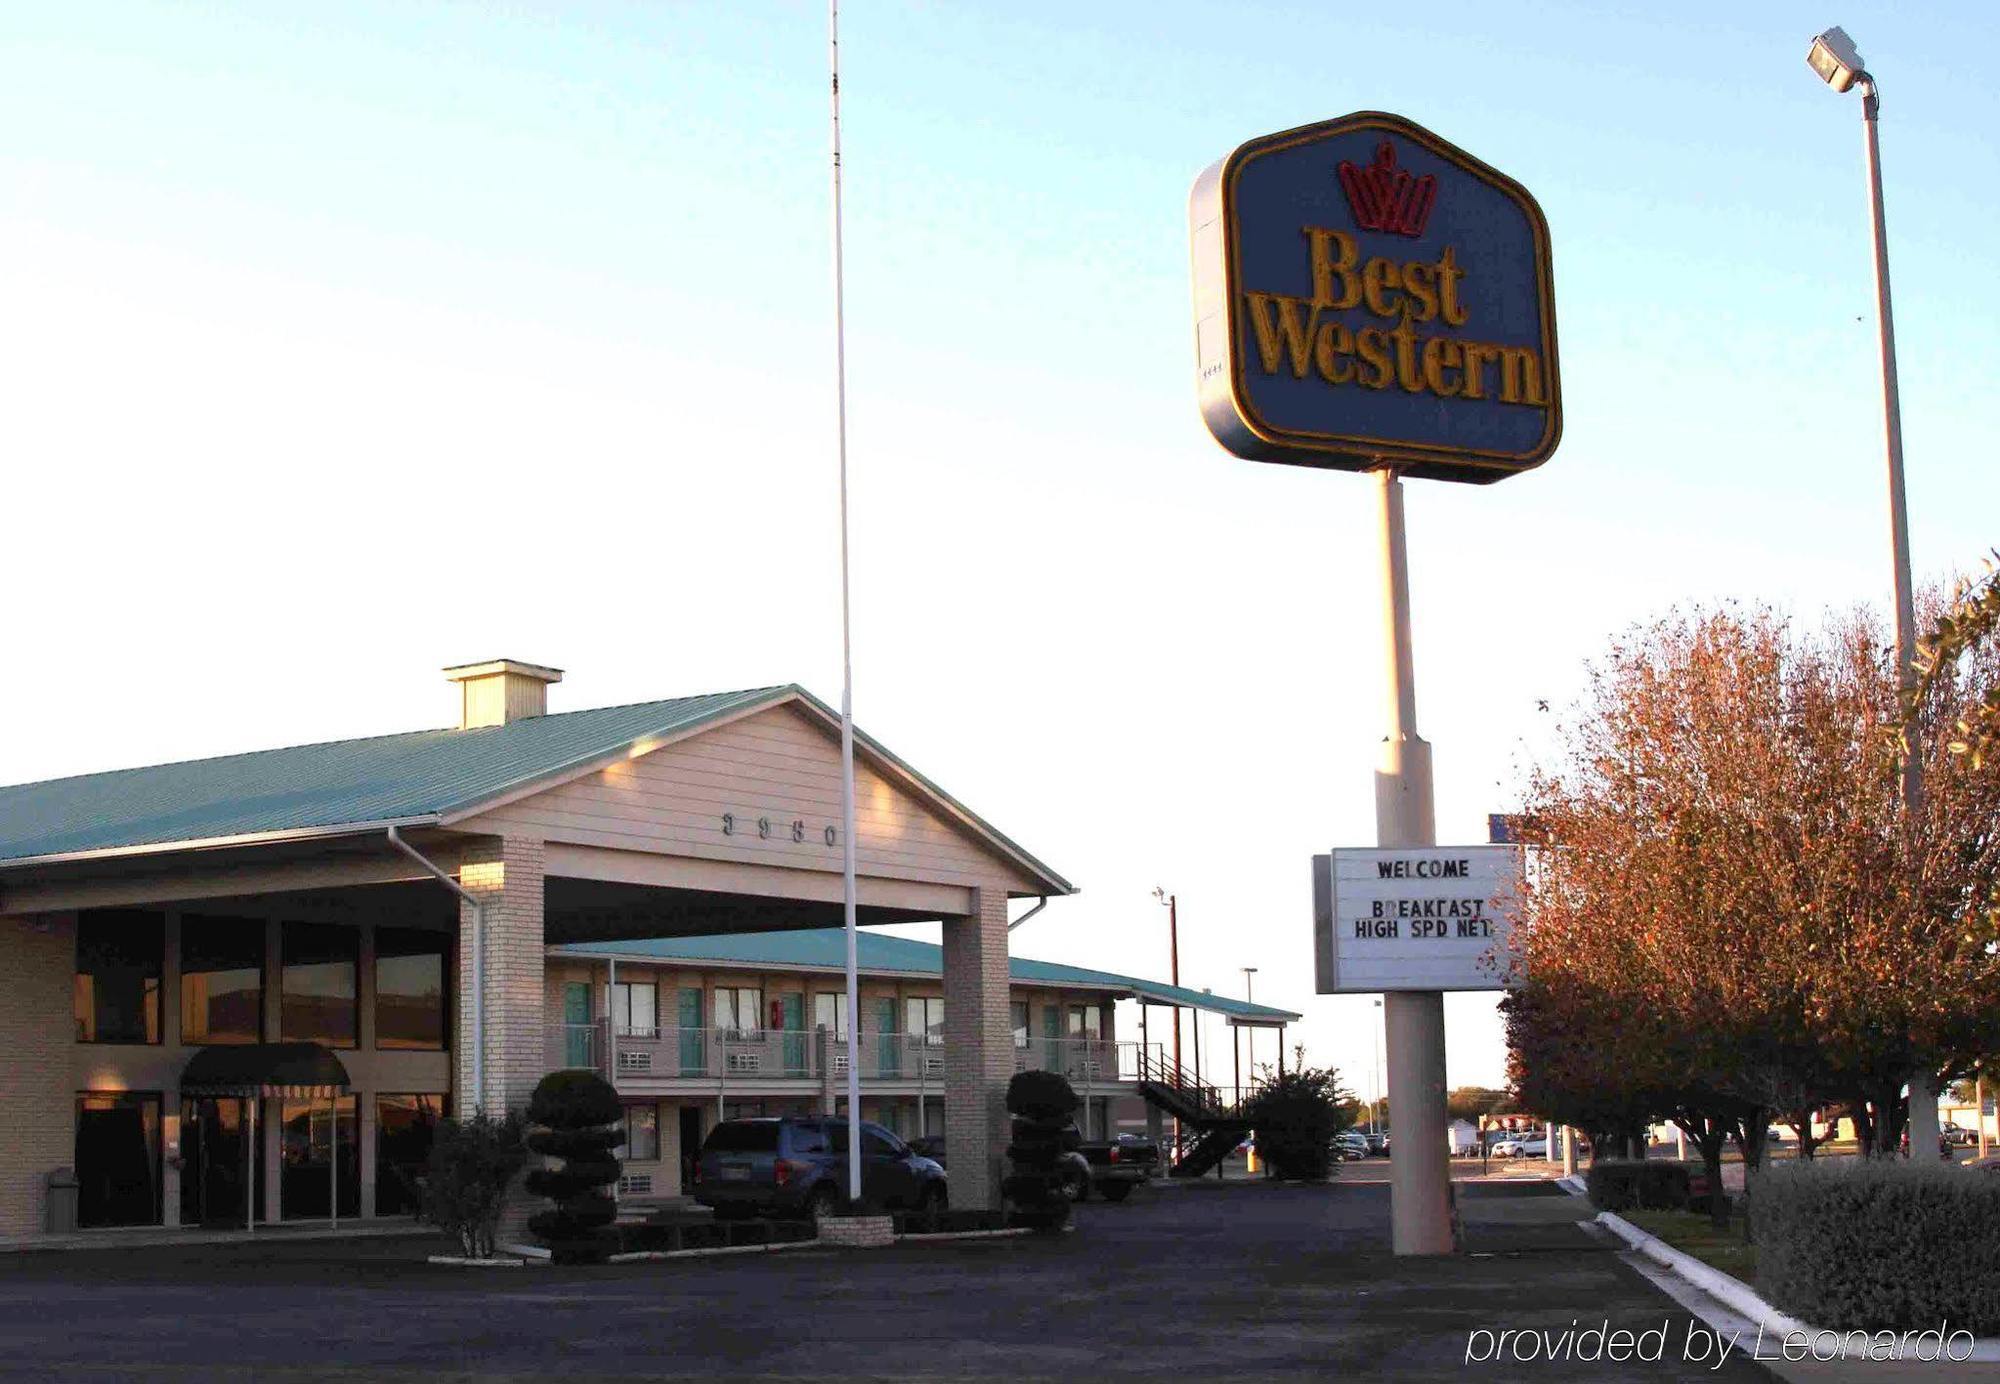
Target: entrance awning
[{"x": 295, "y": 1071}]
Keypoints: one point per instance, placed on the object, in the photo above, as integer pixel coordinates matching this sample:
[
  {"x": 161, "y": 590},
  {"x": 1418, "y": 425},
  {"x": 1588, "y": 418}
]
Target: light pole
[
  {"x": 1170, "y": 903},
  {"x": 1375, "y": 1076},
  {"x": 1246, "y": 1035},
  {"x": 1834, "y": 57}
]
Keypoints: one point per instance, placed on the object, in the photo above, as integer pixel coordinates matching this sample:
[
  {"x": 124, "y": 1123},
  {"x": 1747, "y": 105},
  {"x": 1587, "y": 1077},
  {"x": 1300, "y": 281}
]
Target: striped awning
[{"x": 294, "y": 1071}]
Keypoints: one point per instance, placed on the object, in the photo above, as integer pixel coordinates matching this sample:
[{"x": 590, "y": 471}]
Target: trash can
[{"x": 59, "y": 1189}]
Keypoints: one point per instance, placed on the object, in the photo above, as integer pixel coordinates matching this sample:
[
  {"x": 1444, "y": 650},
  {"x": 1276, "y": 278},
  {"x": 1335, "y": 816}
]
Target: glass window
[
  {"x": 880, "y": 1143},
  {"x": 1086, "y": 1021},
  {"x": 925, "y": 1017},
  {"x": 635, "y": 1008},
  {"x": 748, "y": 1135},
  {"x": 410, "y": 1008},
  {"x": 305, "y": 1145},
  {"x": 642, "y": 1134},
  {"x": 317, "y": 1001},
  {"x": 737, "y": 1009},
  {"x": 1020, "y": 1012},
  {"x": 808, "y": 1138},
  {"x": 118, "y": 956},
  {"x": 118, "y": 1158},
  {"x": 222, "y": 980},
  {"x": 404, "y": 1128},
  {"x": 830, "y": 1012}
]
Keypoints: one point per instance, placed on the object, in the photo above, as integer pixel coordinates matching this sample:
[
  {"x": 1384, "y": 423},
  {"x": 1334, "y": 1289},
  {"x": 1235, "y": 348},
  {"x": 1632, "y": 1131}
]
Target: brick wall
[
  {"x": 979, "y": 1049},
  {"x": 37, "y": 1032}
]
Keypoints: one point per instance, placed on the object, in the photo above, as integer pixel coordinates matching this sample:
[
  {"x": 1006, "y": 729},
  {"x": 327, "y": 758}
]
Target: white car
[{"x": 1508, "y": 1148}]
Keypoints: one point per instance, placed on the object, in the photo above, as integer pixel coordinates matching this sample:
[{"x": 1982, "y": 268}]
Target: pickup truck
[{"x": 1111, "y": 1167}]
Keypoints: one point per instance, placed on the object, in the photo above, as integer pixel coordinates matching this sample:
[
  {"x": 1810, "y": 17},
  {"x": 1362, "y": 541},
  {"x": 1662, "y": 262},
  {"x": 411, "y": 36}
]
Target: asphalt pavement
[{"x": 1235, "y": 1280}]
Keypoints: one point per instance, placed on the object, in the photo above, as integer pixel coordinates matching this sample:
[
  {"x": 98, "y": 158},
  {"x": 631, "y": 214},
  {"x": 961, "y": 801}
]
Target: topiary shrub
[
  {"x": 1042, "y": 1104},
  {"x": 575, "y": 1116},
  {"x": 1874, "y": 1245},
  {"x": 471, "y": 1165},
  {"x": 1296, "y": 1118},
  {"x": 1652, "y": 1185}
]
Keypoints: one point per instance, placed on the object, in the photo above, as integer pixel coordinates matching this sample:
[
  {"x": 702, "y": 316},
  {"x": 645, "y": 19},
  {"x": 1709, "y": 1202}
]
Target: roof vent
[{"x": 501, "y": 690}]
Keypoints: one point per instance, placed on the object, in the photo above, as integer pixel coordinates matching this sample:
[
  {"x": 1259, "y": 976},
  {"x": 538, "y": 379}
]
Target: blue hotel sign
[{"x": 1368, "y": 295}]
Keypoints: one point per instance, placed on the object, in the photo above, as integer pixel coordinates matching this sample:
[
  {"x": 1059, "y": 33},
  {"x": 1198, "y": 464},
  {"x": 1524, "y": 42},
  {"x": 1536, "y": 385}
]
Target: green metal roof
[
  {"x": 825, "y": 949},
  {"x": 346, "y": 785}
]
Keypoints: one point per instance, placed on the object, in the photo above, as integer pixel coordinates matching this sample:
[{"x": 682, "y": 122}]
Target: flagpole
[{"x": 846, "y": 651}]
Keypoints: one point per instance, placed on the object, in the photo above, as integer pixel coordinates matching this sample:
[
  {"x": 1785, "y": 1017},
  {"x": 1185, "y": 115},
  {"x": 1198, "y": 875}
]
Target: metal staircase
[{"x": 1219, "y": 1127}]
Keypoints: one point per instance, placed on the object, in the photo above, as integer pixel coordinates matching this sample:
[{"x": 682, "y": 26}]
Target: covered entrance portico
[{"x": 515, "y": 831}]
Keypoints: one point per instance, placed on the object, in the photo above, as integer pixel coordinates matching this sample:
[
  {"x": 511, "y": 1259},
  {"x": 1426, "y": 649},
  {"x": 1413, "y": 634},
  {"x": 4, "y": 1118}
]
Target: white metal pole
[
  {"x": 1420, "y": 1173},
  {"x": 846, "y": 628},
  {"x": 333, "y": 1159}
]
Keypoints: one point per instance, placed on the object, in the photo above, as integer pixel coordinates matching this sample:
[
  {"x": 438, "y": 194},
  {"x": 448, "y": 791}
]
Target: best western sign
[
  {"x": 1367, "y": 294},
  {"x": 1415, "y": 918}
]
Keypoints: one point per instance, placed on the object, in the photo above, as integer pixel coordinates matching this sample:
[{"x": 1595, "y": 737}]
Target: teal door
[
  {"x": 792, "y": 1010},
  {"x": 1052, "y": 1031},
  {"x": 888, "y": 1044},
  {"x": 577, "y": 1031},
  {"x": 694, "y": 1051}
]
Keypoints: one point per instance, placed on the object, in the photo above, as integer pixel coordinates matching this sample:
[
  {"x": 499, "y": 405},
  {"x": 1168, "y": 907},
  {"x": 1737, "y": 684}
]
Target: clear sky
[{"x": 319, "y": 324}]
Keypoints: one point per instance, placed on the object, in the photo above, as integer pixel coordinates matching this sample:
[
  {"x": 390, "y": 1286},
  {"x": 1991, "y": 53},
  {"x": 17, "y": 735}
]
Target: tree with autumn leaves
[{"x": 1727, "y": 921}]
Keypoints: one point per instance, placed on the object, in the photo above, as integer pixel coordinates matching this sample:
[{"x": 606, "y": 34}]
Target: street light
[
  {"x": 1834, "y": 57},
  {"x": 1168, "y": 902}
]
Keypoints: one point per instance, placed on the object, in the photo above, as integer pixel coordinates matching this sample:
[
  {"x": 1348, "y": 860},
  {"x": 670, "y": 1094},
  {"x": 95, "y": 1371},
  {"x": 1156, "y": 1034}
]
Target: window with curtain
[
  {"x": 642, "y": 1134},
  {"x": 635, "y": 1008},
  {"x": 118, "y": 967},
  {"x": 830, "y": 1013},
  {"x": 410, "y": 1008},
  {"x": 222, "y": 980},
  {"x": 317, "y": 1000},
  {"x": 1020, "y": 1013},
  {"x": 924, "y": 1016},
  {"x": 739, "y": 1009},
  {"x": 1086, "y": 1021}
]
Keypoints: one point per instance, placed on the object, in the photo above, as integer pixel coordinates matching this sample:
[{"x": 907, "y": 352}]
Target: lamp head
[{"x": 1835, "y": 58}]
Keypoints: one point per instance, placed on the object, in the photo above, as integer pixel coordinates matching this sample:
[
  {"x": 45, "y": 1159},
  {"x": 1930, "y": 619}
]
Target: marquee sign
[
  {"x": 1413, "y": 918},
  {"x": 1366, "y": 293}
]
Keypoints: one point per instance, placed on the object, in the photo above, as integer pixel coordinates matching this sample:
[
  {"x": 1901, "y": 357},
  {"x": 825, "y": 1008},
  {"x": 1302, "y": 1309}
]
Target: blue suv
[{"x": 790, "y": 1167}]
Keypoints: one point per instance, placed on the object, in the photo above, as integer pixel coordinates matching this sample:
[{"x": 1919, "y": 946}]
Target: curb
[
  {"x": 459, "y": 1261},
  {"x": 1009, "y": 1232},
  {"x": 646, "y": 1256},
  {"x": 1732, "y": 1292},
  {"x": 1571, "y": 1184}
]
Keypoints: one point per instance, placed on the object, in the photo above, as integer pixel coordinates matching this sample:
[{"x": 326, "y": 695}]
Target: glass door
[
  {"x": 214, "y": 1155},
  {"x": 792, "y": 1019},
  {"x": 694, "y": 1051},
  {"x": 576, "y": 1024}
]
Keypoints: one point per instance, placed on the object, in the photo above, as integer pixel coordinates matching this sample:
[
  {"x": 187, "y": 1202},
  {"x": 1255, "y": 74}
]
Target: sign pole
[{"x": 1420, "y": 1173}]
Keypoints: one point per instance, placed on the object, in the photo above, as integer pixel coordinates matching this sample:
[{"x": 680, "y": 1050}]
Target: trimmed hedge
[
  {"x": 1652, "y": 1185},
  {"x": 1872, "y": 1245}
]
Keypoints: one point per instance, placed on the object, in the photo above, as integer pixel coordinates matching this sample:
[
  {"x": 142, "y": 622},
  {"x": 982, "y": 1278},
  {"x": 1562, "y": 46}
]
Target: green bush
[
  {"x": 465, "y": 1183},
  {"x": 1296, "y": 1118},
  {"x": 576, "y": 1116},
  {"x": 1877, "y": 1245},
  {"x": 1652, "y": 1185},
  {"x": 1042, "y": 1104},
  {"x": 1042, "y": 1096}
]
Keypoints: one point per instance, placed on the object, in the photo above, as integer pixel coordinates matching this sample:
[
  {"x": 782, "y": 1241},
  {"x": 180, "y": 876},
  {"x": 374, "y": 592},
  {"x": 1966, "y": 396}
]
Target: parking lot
[{"x": 1231, "y": 1280}]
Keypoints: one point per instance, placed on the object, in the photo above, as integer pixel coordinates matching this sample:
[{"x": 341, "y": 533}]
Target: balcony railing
[{"x": 728, "y": 1056}]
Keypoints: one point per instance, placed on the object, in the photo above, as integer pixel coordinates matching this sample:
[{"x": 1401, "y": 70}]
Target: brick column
[
  {"x": 978, "y": 1049},
  {"x": 38, "y": 1030},
  {"x": 506, "y": 877}
]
